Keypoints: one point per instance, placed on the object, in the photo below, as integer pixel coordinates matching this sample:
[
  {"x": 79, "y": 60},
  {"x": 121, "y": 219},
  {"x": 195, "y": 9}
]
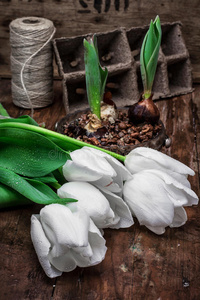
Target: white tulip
[
  {"x": 103, "y": 207},
  {"x": 97, "y": 167},
  {"x": 143, "y": 158},
  {"x": 65, "y": 237},
  {"x": 156, "y": 199}
]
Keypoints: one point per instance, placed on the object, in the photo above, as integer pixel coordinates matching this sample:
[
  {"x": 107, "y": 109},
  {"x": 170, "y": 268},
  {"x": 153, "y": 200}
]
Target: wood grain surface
[
  {"x": 75, "y": 17},
  {"x": 139, "y": 264}
]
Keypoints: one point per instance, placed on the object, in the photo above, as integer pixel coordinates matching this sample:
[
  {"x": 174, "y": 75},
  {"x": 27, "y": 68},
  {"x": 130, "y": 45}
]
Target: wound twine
[{"x": 31, "y": 62}]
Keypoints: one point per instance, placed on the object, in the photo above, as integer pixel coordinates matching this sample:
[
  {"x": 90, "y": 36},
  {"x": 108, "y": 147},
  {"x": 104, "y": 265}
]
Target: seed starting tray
[{"x": 119, "y": 51}]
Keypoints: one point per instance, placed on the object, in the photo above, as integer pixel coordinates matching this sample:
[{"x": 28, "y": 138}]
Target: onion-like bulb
[{"x": 143, "y": 111}]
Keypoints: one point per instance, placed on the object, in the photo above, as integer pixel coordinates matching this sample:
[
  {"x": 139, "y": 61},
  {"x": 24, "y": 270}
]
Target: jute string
[{"x": 31, "y": 62}]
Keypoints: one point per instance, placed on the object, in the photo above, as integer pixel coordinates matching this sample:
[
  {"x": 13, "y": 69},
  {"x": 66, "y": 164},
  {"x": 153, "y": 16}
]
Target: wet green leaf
[
  {"x": 31, "y": 189},
  {"x": 29, "y": 153},
  {"x": 11, "y": 198},
  {"x": 47, "y": 179}
]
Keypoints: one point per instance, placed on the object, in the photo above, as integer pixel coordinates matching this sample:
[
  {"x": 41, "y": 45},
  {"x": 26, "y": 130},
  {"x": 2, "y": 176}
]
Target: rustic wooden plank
[
  {"x": 81, "y": 17},
  {"x": 196, "y": 125},
  {"x": 20, "y": 273},
  {"x": 6, "y": 98},
  {"x": 178, "y": 117},
  {"x": 138, "y": 263}
]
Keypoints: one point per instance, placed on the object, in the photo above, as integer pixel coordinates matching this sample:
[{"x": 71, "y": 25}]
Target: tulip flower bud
[{"x": 64, "y": 237}]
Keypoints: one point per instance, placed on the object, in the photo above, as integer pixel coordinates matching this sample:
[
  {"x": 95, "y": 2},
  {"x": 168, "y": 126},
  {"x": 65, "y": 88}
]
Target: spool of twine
[{"x": 31, "y": 62}]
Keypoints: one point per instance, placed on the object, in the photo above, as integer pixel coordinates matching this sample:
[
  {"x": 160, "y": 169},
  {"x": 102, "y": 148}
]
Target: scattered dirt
[{"x": 120, "y": 134}]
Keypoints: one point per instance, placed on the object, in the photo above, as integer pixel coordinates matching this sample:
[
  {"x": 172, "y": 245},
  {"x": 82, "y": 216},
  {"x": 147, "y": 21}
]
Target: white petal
[
  {"x": 84, "y": 252},
  {"x": 91, "y": 160},
  {"x": 87, "y": 256},
  {"x": 98, "y": 167},
  {"x": 180, "y": 217},
  {"x": 120, "y": 208},
  {"x": 91, "y": 199},
  {"x": 179, "y": 194},
  {"x": 97, "y": 246},
  {"x": 157, "y": 230},
  {"x": 143, "y": 158},
  {"x": 91, "y": 167},
  {"x": 73, "y": 171},
  {"x": 63, "y": 228},
  {"x": 108, "y": 183},
  {"x": 147, "y": 199},
  {"x": 42, "y": 247},
  {"x": 97, "y": 243},
  {"x": 180, "y": 178},
  {"x": 122, "y": 172},
  {"x": 112, "y": 183},
  {"x": 65, "y": 262}
]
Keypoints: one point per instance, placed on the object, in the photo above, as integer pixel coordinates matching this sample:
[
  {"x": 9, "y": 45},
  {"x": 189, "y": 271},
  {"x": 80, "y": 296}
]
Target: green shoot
[
  {"x": 95, "y": 76},
  {"x": 149, "y": 55}
]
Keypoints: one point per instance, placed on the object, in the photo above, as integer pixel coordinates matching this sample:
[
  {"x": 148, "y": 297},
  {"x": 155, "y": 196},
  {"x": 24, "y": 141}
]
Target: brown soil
[{"x": 120, "y": 134}]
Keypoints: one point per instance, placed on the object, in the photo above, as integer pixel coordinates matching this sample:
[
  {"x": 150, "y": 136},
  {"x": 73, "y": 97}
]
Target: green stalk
[
  {"x": 63, "y": 141},
  {"x": 55, "y": 185}
]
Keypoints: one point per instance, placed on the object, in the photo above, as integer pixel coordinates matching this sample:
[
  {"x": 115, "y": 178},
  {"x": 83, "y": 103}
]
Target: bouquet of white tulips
[
  {"x": 152, "y": 186},
  {"x": 86, "y": 190}
]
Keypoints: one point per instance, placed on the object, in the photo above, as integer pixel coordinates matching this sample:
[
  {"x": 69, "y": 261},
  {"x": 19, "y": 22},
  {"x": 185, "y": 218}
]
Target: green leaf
[
  {"x": 29, "y": 153},
  {"x": 58, "y": 173},
  {"x": 103, "y": 72},
  {"x": 3, "y": 111},
  {"x": 149, "y": 55},
  {"x": 22, "y": 119},
  {"x": 95, "y": 76},
  {"x": 46, "y": 179},
  {"x": 142, "y": 64},
  {"x": 150, "y": 44},
  {"x": 104, "y": 75},
  {"x": 11, "y": 198},
  {"x": 32, "y": 189}
]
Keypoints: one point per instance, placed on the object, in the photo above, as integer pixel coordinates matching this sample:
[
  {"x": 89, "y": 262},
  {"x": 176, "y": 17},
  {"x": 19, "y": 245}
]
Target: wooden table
[{"x": 138, "y": 263}]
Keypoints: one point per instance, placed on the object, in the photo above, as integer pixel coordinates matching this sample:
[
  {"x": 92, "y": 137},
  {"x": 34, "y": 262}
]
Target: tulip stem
[
  {"x": 63, "y": 141},
  {"x": 55, "y": 185}
]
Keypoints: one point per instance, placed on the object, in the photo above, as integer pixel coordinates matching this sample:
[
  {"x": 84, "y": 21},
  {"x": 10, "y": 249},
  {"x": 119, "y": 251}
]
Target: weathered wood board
[
  {"x": 75, "y": 17},
  {"x": 139, "y": 264}
]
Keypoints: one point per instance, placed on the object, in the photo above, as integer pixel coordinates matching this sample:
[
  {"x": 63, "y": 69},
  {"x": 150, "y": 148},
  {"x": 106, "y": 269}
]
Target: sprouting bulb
[{"x": 144, "y": 110}]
